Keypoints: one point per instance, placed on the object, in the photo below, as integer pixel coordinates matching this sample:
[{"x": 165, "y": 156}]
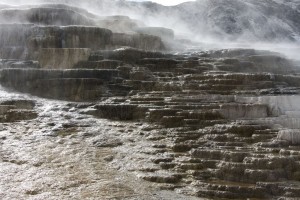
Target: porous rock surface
[{"x": 142, "y": 124}]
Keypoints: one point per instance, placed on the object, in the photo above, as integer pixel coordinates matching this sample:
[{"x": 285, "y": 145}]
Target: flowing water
[{"x": 55, "y": 157}]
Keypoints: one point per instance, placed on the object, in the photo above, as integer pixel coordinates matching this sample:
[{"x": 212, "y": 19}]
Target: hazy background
[
  {"x": 165, "y": 2},
  {"x": 267, "y": 24}
]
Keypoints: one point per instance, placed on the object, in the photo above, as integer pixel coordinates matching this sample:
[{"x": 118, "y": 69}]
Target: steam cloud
[{"x": 270, "y": 24}]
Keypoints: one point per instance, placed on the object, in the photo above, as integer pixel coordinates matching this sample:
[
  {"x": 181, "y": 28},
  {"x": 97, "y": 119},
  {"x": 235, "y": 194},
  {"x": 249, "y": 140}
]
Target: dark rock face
[
  {"x": 89, "y": 37},
  {"x": 12, "y": 63},
  {"x": 76, "y": 85},
  {"x": 17, "y": 110},
  {"x": 13, "y": 36},
  {"x": 44, "y": 16},
  {"x": 99, "y": 64},
  {"x": 118, "y": 112},
  {"x": 25, "y": 41},
  {"x": 70, "y": 37},
  {"x": 30, "y": 38},
  {"x": 164, "y": 33},
  {"x": 55, "y": 58},
  {"x": 139, "y": 41}
]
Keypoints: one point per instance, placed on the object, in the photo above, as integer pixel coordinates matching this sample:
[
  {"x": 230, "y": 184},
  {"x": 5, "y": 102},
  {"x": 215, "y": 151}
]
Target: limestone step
[
  {"x": 272, "y": 163},
  {"x": 129, "y": 55},
  {"x": 155, "y": 115},
  {"x": 119, "y": 111},
  {"x": 8, "y": 75},
  {"x": 77, "y": 89},
  {"x": 95, "y": 57},
  {"x": 159, "y": 64},
  {"x": 102, "y": 64},
  {"x": 156, "y": 103},
  {"x": 200, "y": 115},
  {"x": 230, "y": 190},
  {"x": 15, "y": 115},
  {"x": 19, "y": 103},
  {"x": 162, "y": 178},
  {"x": 151, "y": 99},
  {"x": 22, "y": 64}
]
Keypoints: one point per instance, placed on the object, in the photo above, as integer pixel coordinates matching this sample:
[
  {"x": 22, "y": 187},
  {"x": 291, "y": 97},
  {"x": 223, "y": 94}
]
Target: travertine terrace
[{"x": 103, "y": 108}]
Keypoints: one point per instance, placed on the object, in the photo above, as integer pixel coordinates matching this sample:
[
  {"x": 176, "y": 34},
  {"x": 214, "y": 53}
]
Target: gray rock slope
[{"x": 229, "y": 20}]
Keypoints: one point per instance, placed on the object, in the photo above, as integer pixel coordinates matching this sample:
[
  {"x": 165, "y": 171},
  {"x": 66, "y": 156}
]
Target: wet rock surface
[
  {"x": 17, "y": 110},
  {"x": 44, "y": 16},
  {"x": 141, "y": 124},
  {"x": 190, "y": 128}
]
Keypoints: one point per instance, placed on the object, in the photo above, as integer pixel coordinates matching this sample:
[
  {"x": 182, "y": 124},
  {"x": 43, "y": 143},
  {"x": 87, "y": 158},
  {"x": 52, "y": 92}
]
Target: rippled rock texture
[{"x": 210, "y": 131}]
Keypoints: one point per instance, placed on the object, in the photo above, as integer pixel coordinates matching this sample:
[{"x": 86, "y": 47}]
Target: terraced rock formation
[
  {"x": 211, "y": 124},
  {"x": 205, "y": 137}
]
